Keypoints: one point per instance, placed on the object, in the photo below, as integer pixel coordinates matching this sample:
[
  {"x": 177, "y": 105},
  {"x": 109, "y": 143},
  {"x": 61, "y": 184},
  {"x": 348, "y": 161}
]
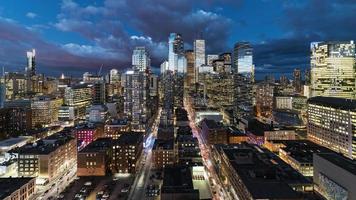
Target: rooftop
[
  {"x": 211, "y": 124},
  {"x": 10, "y": 185},
  {"x": 302, "y": 150},
  {"x": 129, "y": 138},
  {"x": 46, "y": 145},
  {"x": 340, "y": 161},
  {"x": 334, "y": 102},
  {"x": 263, "y": 173},
  {"x": 163, "y": 144},
  {"x": 178, "y": 179},
  {"x": 101, "y": 144}
]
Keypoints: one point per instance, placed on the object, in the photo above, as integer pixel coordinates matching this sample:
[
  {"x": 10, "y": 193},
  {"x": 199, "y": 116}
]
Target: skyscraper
[
  {"x": 243, "y": 58},
  {"x": 31, "y": 63},
  {"x": 199, "y": 56},
  {"x": 164, "y": 66},
  {"x": 243, "y": 70},
  {"x": 136, "y": 97},
  {"x": 141, "y": 59},
  {"x": 190, "y": 77},
  {"x": 175, "y": 50},
  {"x": 333, "y": 69},
  {"x": 297, "y": 83}
]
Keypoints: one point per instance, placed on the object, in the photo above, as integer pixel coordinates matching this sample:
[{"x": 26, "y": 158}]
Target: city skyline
[{"x": 78, "y": 36}]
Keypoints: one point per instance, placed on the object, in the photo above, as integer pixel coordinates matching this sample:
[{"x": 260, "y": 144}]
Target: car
[
  {"x": 100, "y": 192},
  {"x": 115, "y": 179},
  {"x": 88, "y": 183},
  {"x": 106, "y": 195},
  {"x": 124, "y": 190}
]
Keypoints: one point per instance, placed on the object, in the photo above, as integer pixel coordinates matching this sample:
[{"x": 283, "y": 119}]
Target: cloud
[{"x": 31, "y": 15}]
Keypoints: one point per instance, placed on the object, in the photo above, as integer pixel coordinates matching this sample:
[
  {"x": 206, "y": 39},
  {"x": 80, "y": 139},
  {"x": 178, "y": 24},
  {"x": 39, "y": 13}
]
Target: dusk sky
[{"x": 77, "y": 36}]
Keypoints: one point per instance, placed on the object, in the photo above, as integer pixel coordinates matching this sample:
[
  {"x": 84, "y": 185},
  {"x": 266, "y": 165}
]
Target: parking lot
[{"x": 101, "y": 188}]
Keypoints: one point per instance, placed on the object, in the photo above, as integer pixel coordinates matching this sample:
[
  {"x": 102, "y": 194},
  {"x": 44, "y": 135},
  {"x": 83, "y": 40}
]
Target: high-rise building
[
  {"x": 264, "y": 100},
  {"x": 31, "y": 63},
  {"x": 199, "y": 56},
  {"x": 141, "y": 59},
  {"x": 243, "y": 69},
  {"x": 79, "y": 97},
  {"x": 210, "y": 58},
  {"x": 190, "y": 76},
  {"x": 2, "y": 94},
  {"x": 333, "y": 69},
  {"x": 331, "y": 123},
  {"x": 114, "y": 76},
  {"x": 297, "y": 83},
  {"x": 164, "y": 67},
  {"x": 243, "y": 58},
  {"x": 175, "y": 50},
  {"x": 136, "y": 91}
]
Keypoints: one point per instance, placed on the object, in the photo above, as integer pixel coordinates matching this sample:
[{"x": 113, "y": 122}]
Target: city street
[
  {"x": 138, "y": 191},
  {"x": 220, "y": 192}
]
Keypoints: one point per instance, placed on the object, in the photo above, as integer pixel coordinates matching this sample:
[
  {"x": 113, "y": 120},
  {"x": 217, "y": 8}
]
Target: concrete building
[
  {"x": 214, "y": 132},
  {"x": 78, "y": 97},
  {"x": 126, "y": 153},
  {"x": 17, "y": 188},
  {"x": 334, "y": 176},
  {"x": 199, "y": 56},
  {"x": 250, "y": 172},
  {"x": 49, "y": 158},
  {"x": 45, "y": 110},
  {"x": 141, "y": 59},
  {"x": 333, "y": 69},
  {"x": 114, "y": 128},
  {"x": 95, "y": 159},
  {"x": 163, "y": 153},
  {"x": 331, "y": 123}
]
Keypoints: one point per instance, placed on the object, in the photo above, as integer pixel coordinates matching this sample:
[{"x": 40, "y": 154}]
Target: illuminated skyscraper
[
  {"x": 243, "y": 70},
  {"x": 164, "y": 66},
  {"x": 243, "y": 58},
  {"x": 31, "y": 63},
  {"x": 333, "y": 69},
  {"x": 175, "y": 50},
  {"x": 136, "y": 93},
  {"x": 141, "y": 59},
  {"x": 199, "y": 56},
  {"x": 189, "y": 55}
]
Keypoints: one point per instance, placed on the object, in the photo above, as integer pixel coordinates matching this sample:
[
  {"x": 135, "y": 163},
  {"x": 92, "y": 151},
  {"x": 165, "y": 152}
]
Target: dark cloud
[{"x": 305, "y": 22}]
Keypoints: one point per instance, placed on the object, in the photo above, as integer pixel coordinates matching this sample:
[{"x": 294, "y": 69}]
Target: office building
[
  {"x": 331, "y": 123},
  {"x": 141, "y": 59},
  {"x": 114, "y": 128},
  {"x": 48, "y": 158},
  {"x": 213, "y": 132},
  {"x": 264, "y": 100},
  {"x": 210, "y": 59},
  {"x": 175, "y": 50},
  {"x": 199, "y": 56},
  {"x": 164, "y": 67},
  {"x": 298, "y": 154},
  {"x": 164, "y": 153},
  {"x": 31, "y": 63},
  {"x": 334, "y": 176},
  {"x": 250, "y": 172},
  {"x": 87, "y": 133},
  {"x": 190, "y": 76},
  {"x": 14, "y": 121},
  {"x": 45, "y": 110},
  {"x": 17, "y": 188},
  {"x": 95, "y": 159},
  {"x": 16, "y": 85},
  {"x": 297, "y": 82},
  {"x": 127, "y": 150},
  {"x": 243, "y": 58},
  {"x": 79, "y": 97},
  {"x": 333, "y": 69}
]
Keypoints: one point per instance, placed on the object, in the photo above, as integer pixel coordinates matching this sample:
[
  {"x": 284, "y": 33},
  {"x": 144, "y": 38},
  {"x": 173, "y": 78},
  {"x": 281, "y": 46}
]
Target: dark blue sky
[{"x": 76, "y": 36}]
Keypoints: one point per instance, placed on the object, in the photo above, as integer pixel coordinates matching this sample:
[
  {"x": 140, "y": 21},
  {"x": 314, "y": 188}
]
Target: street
[
  {"x": 138, "y": 191},
  {"x": 220, "y": 192}
]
